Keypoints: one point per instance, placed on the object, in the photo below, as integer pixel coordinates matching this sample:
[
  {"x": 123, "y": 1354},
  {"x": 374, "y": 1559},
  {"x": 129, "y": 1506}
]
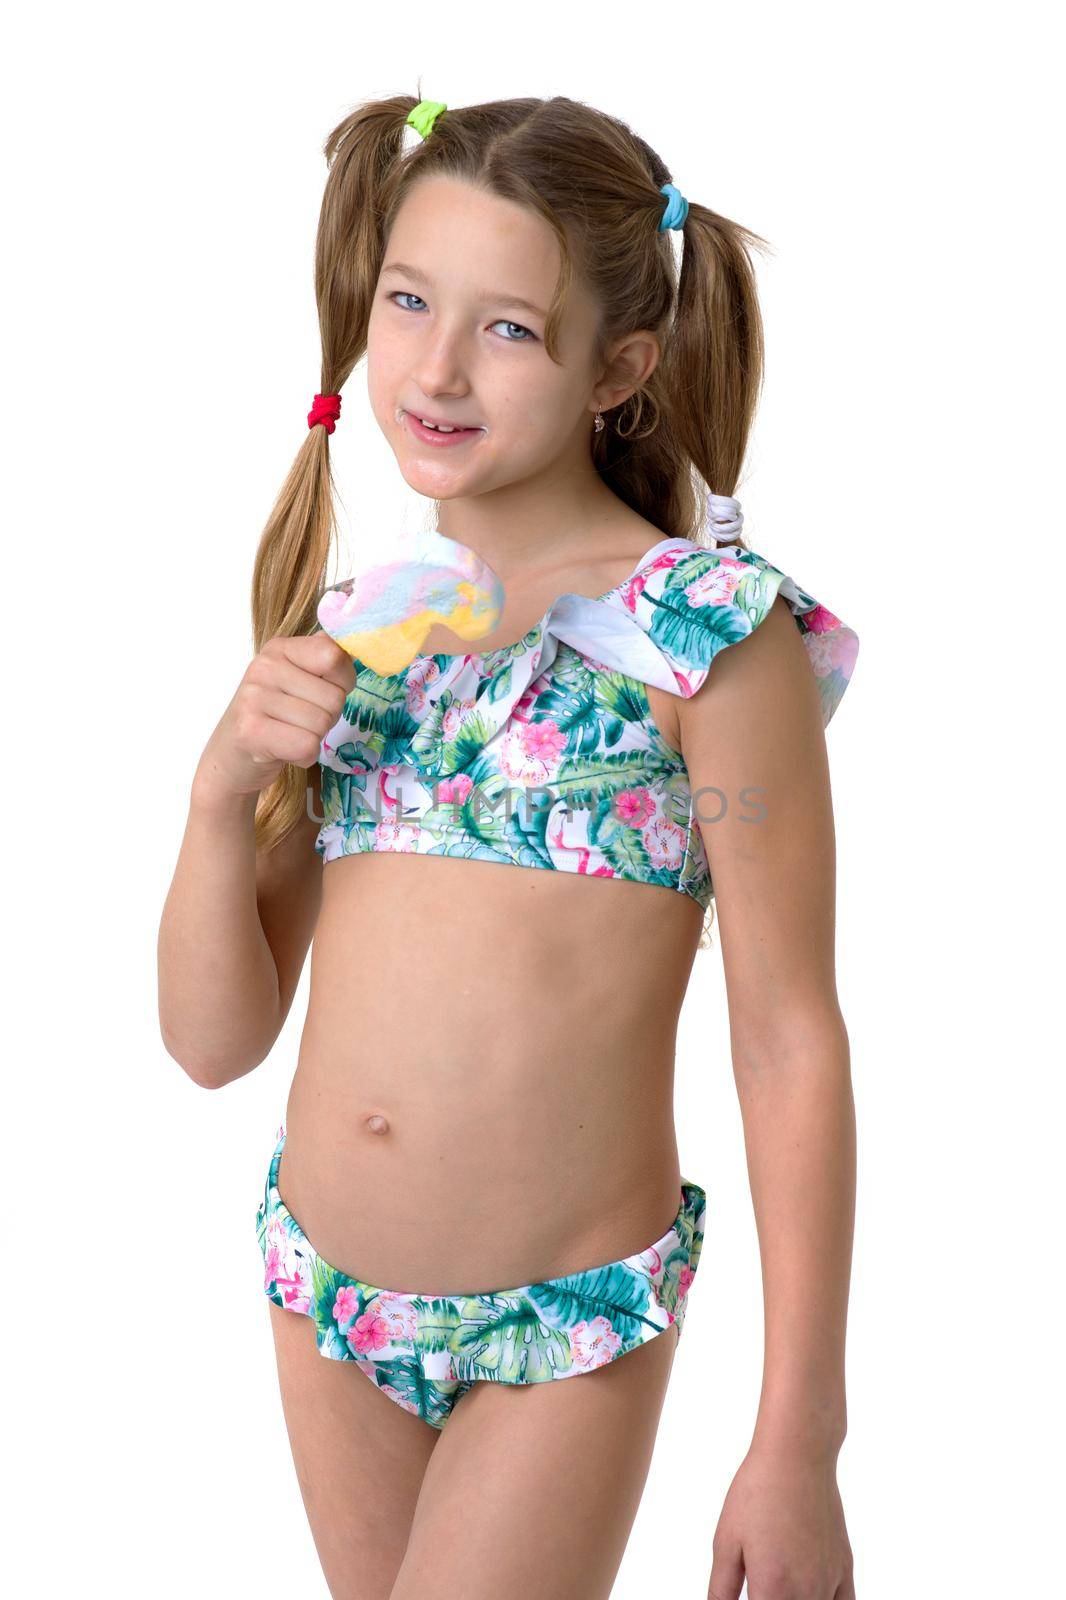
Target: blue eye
[
  {"x": 531, "y": 336},
  {"x": 520, "y": 328}
]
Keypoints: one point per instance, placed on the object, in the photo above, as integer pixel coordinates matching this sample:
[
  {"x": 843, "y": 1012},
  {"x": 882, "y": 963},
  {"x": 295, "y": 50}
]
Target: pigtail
[
  {"x": 289, "y": 574},
  {"x": 713, "y": 362}
]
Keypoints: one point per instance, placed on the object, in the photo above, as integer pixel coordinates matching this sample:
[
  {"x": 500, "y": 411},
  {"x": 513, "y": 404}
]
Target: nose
[{"x": 440, "y": 367}]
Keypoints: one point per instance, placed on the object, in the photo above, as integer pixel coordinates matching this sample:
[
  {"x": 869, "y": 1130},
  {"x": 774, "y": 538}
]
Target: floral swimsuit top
[{"x": 544, "y": 753}]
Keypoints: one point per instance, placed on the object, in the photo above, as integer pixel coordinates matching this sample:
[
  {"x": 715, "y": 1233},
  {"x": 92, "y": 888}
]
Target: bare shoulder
[{"x": 288, "y": 889}]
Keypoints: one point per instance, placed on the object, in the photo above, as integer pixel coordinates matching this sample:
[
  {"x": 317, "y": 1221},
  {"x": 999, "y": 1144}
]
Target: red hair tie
[{"x": 326, "y": 409}]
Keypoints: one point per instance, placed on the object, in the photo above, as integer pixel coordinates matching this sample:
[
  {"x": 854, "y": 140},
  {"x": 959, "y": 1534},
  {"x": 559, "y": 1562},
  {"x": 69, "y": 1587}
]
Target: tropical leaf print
[
  {"x": 573, "y": 709},
  {"x": 502, "y": 1339},
  {"x": 394, "y": 731},
  {"x": 624, "y": 849},
  {"x": 595, "y": 780},
  {"x": 438, "y": 1320},
  {"x": 484, "y": 812},
  {"x": 404, "y": 1381},
  {"x": 370, "y": 697},
  {"x": 469, "y": 743},
  {"x": 694, "y": 633},
  {"x": 619, "y": 700},
  {"x": 615, "y": 1292}
]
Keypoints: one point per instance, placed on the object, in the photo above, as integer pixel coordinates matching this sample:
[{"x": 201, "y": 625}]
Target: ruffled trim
[
  {"x": 663, "y": 626},
  {"x": 690, "y": 603}
]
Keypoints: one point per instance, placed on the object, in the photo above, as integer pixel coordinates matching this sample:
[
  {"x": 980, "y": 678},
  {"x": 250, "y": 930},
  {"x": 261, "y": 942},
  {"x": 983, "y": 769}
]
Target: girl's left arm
[{"x": 753, "y": 742}]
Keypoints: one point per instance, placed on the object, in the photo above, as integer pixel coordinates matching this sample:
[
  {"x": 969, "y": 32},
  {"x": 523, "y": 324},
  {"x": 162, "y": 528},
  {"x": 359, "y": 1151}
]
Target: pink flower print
[
  {"x": 402, "y": 837},
  {"x": 717, "y": 587},
  {"x": 346, "y": 1305},
  {"x": 665, "y": 843},
  {"x": 455, "y": 790},
  {"x": 828, "y": 652},
  {"x": 530, "y": 751},
  {"x": 820, "y": 620},
  {"x": 423, "y": 671},
  {"x": 368, "y": 1333},
  {"x": 396, "y": 1313},
  {"x": 634, "y": 806},
  {"x": 684, "y": 1280},
  {"x": 543, "y": 741},
  {"x": 451, "y": 721},
  {"x": 593, "y": 1344}
]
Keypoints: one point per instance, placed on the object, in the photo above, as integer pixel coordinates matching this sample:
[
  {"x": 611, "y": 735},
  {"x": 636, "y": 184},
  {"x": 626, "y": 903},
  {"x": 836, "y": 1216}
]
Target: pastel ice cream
[{"x": 382, "y": 615}]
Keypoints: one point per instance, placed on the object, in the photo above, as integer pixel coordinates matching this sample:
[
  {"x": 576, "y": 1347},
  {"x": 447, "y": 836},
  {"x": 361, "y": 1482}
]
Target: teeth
[{"x": 439, "y": 427}]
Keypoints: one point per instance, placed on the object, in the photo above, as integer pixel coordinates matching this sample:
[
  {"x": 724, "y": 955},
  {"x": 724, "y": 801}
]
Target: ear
[{"x": 630, "y": 363}]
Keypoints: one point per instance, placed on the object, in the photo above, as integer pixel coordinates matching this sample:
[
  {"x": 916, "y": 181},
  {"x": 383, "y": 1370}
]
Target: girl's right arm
[{"x": 237, "y": 922}]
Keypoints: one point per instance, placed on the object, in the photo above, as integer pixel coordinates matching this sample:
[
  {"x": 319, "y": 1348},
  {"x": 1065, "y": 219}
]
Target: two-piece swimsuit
[{"x": 543, "y": 753}]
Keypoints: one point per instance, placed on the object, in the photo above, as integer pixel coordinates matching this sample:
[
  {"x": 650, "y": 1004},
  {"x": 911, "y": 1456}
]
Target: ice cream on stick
[{"x": 382, "y": 615}]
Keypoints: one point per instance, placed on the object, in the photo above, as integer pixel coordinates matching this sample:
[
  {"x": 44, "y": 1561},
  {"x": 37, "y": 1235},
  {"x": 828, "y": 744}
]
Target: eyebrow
[{"x": 485, "y": 298}]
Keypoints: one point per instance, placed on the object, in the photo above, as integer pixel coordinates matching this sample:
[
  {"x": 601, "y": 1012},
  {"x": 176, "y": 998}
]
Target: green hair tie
[{"x": 425, "y": 115}]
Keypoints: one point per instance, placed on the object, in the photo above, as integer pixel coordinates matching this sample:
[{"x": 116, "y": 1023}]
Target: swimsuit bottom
[{"x": 425, "y": 1351}]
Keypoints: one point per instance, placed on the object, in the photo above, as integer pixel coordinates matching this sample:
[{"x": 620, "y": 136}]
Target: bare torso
[{"x": 484, "y": 1091}]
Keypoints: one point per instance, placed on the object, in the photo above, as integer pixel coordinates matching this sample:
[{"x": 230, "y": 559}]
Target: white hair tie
[{"x": 725, "y": 518}]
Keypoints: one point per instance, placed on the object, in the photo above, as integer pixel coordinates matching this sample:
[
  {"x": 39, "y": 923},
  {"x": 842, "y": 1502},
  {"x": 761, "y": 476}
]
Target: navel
[{"x": 377, "y": 1123}]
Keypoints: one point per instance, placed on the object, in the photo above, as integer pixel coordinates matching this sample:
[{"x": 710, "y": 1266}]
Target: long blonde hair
[{"x": 597, "y": 186}]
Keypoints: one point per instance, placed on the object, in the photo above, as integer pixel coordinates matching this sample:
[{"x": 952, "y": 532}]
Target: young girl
[{"x": 475, "y": 1194}]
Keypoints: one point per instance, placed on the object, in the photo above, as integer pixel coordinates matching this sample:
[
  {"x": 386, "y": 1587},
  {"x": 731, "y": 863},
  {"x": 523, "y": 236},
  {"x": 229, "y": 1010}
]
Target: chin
[{"x": 429, "y": 485}]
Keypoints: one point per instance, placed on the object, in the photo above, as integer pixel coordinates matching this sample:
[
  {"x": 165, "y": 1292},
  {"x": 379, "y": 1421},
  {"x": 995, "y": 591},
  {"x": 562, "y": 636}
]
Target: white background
[{"x": 163, "y": 173}]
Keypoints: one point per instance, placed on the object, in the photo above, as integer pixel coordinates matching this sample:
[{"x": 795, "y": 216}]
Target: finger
[
  {"x": 286, "y": 741},
  {"x": 320, "y": 655},
  {"x": 727, "y": 1577},
  {"x": 340, "y": 668},
  {"x": 274, "y": 705},
  {"x": 288, "y": 676}
]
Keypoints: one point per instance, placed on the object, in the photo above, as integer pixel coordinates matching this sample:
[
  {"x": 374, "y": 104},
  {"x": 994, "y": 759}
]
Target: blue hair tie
[{"x": 676, "y": 208}]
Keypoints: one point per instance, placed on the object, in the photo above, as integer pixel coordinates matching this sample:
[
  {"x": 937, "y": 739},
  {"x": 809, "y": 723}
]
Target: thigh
[
  {"x": 359, "y": 1457},
  {"x": 534, "y": 1487}
]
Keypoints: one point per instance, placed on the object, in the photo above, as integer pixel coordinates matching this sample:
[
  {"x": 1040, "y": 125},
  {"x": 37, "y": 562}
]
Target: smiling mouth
[{"x": 435, "y": 433}]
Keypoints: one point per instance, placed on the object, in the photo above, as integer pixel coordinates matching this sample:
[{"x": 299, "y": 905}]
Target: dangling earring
[{"x": 600, "y": 424}]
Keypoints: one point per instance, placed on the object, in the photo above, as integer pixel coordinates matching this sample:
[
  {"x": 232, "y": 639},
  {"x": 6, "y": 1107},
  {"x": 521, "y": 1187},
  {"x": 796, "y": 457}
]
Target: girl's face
[{"x": 450, "y": 339}]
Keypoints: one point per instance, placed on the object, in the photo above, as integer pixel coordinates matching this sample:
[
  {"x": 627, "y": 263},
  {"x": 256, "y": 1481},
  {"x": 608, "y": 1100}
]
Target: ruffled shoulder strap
[{"x": 689, "y": 602}]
